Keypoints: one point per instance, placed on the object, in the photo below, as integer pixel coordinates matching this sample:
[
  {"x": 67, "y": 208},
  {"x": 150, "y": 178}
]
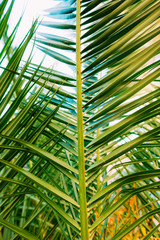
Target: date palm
[{"x": 77, "y": 148}]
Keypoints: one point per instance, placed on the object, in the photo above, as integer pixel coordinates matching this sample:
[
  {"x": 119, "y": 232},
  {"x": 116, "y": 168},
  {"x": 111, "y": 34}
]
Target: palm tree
[{"x": 82, "y": 164}]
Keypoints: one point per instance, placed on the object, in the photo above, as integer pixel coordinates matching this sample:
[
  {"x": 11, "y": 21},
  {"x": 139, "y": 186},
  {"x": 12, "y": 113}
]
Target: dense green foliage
[{"x": 79, "y": 152}]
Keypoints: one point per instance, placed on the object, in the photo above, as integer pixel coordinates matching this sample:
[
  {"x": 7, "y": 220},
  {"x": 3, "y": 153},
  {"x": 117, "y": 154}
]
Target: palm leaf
[{"x": 72, "y": 161}]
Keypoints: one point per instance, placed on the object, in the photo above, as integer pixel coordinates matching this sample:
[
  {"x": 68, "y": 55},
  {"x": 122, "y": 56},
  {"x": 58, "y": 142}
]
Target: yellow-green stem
[
  {"x": 81, "y": 158},
  {"x": 99, "y": 208},
  {"x": 98, "y": 178}
]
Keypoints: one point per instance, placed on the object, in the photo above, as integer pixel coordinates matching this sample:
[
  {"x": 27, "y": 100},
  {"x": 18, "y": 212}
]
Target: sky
[{"x": 31, "y": 9}]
